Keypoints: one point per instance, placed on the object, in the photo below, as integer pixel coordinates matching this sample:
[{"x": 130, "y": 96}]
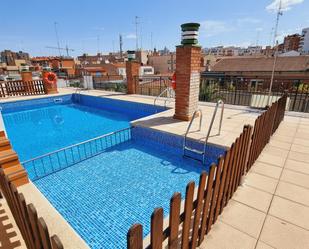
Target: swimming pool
[
  {"x": 103, "y": 196},
  {"x": 104, "y": 185},
  {"x": 39, "y": 126}
]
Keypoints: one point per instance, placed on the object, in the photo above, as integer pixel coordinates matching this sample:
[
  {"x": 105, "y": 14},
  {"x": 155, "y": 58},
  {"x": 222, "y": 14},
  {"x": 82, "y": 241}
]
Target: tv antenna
[
  {"x": 137, "y": 22},
  {"x": 67, "y": 49},
  {"x": 120, "y": 45},
  {"x": 57, "y": 38},
  {"x": 279, "y": 13}
]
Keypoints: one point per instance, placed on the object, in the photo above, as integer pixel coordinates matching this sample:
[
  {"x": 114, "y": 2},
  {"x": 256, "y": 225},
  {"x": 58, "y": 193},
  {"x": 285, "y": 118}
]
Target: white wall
[{"x": 305, "y": 46}]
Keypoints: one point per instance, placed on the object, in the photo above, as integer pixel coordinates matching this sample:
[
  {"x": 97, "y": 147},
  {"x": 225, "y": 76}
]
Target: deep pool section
[
  {"x": 39, "y": 126},
  {"x": 103, "y": 196}
]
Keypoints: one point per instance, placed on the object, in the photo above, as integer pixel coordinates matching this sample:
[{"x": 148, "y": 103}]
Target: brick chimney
[
  {"x": 132, "y": 72},
  {"x": 188, "y": 60},
  {"x": 26, "y": 76}
]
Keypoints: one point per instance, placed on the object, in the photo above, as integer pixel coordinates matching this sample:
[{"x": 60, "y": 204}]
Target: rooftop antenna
[
  {"x": 120, "y": 45},
  {"x": 151, "y": 47},
  {"x": 257, "y": 38},
  {"x": 57, "y": 37},
  {"x": 136, "y": 30},
  {"x": 279, "y": 13},
  {"x": 98, "y": 43},
  {"x": 67, "y": 49}
]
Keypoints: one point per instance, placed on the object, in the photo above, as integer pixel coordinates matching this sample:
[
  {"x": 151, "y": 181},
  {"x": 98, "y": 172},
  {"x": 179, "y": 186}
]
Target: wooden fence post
[{"x": 135, "y": 237}]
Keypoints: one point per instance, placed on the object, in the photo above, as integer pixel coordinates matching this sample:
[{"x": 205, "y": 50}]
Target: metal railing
[
  {"x": 170, "y": 95},
  {"x": 203, "y": 152},
  {"x": 55, "y": 161},
  {"x": 152, "y": 85},
  {"x": 255, "y": 94},
  {"x": 113, "y": 83}
]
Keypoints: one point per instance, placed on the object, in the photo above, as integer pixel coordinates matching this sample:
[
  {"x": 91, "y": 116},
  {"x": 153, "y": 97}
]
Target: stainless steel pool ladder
[
  {"x": 170, "y": 95},
  {"x": 196, "y": 151},
  {"x": 78, "y": 93}
]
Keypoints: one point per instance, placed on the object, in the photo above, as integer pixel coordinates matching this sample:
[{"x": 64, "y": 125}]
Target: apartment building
[
  {"x": 163, "y": 64},
  {"x": 304, "y": 42},
  {"x": 291, "y": 43},
  {"x": 8, "y": 57}
]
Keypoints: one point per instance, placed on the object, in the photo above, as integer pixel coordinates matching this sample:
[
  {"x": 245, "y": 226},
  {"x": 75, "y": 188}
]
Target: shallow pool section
[
  {"x": 103, "y": 196},
  {"x": 39, "y": 126}
]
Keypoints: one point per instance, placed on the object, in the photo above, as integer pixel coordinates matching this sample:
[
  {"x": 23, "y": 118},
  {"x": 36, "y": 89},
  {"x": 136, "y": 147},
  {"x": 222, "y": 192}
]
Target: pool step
[
  {"x": 194, "y": 150},
  {"x": 193, "y": 153}
]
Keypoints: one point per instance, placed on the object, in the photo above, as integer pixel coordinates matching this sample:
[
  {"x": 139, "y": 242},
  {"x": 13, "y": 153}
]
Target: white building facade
[{"x": 304, "y": 42}]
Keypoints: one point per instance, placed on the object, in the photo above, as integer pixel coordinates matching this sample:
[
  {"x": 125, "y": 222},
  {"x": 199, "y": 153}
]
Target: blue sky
[{"x": 29, "y": 25}]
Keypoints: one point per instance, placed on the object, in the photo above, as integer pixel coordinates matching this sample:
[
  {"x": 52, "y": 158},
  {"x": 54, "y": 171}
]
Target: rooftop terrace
[{"x": 268, "y": 210}]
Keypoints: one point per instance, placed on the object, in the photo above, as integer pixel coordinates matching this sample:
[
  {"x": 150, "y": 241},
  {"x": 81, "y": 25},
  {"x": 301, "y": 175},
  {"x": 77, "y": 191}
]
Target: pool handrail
[{"x": 75, "y": 153}]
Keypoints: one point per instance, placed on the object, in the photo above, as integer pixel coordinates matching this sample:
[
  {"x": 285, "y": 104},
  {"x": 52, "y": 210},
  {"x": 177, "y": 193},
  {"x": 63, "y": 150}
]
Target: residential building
[
  {"x": 142, "y": 56},
  {"x": 99, "y": 58},
  {"x": 291, "y": 43},
  {"x": 63, "y": 66},
  {"x": 146, "y": 70},
  {"x": 111, "y": 69},
  {"x": 9, "y": 57},
  {"x": 163, "y": 64},
  {"x": 96, "y": 71},
  {"x": 234, "y": 51},
  {"x": 256, "y": 71},
  {"x": 304, "y": 42}
]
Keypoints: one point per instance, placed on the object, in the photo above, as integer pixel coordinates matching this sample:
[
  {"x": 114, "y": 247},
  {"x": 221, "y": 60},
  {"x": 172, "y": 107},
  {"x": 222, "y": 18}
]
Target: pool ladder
[
  {"x": 170, "y": 93},
  {"x": 78, "y": 93},
  {"x": 202, "y": 153}
]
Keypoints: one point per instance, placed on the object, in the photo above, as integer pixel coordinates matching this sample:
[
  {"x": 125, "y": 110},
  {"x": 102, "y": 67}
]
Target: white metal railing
[
  {"x": 203, "y": 153},
  {"x": 170, "y": 95},
  {"x": 55, "y": 161}
]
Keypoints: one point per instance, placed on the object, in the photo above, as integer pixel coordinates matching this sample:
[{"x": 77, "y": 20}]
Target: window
[{"x": 147, "y": 70}]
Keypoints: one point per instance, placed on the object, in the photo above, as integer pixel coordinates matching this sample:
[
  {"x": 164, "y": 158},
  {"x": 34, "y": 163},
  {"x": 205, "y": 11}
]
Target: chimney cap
[{"x": 190, "y": 33}]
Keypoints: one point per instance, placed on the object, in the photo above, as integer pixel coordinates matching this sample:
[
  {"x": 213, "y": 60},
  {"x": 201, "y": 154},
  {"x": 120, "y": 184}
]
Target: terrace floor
[{"x": 269, "y": 210}]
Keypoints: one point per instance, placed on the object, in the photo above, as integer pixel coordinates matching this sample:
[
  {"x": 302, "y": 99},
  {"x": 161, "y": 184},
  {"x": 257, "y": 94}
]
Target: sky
[{"x": 94, "y": 26}]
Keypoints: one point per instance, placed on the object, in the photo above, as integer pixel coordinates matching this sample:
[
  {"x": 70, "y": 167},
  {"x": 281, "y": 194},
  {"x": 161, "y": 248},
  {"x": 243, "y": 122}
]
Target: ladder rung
[
  {"x": 194, "y": 158},
  {"x": 194, "y": 150}
]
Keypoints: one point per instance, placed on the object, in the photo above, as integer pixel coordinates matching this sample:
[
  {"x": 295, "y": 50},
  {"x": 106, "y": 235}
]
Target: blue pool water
[
  {"x": 103, "y": 196},
  {"x": 40, "y": 126}
]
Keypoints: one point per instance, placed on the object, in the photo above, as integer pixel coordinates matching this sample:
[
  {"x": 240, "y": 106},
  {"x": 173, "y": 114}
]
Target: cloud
[
  {"x": 285, "y": 5},
  {"x": 130, "y": 36},
  {"x": 213, "y": 27}
]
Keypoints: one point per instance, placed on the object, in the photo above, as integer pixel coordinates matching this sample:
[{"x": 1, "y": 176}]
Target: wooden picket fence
[
  {"x": 265, "y": 125},
  {"x": 187, "y": 228},
  {"x": 33, "y": 229},
  {"x": 21, "y": 88}
]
